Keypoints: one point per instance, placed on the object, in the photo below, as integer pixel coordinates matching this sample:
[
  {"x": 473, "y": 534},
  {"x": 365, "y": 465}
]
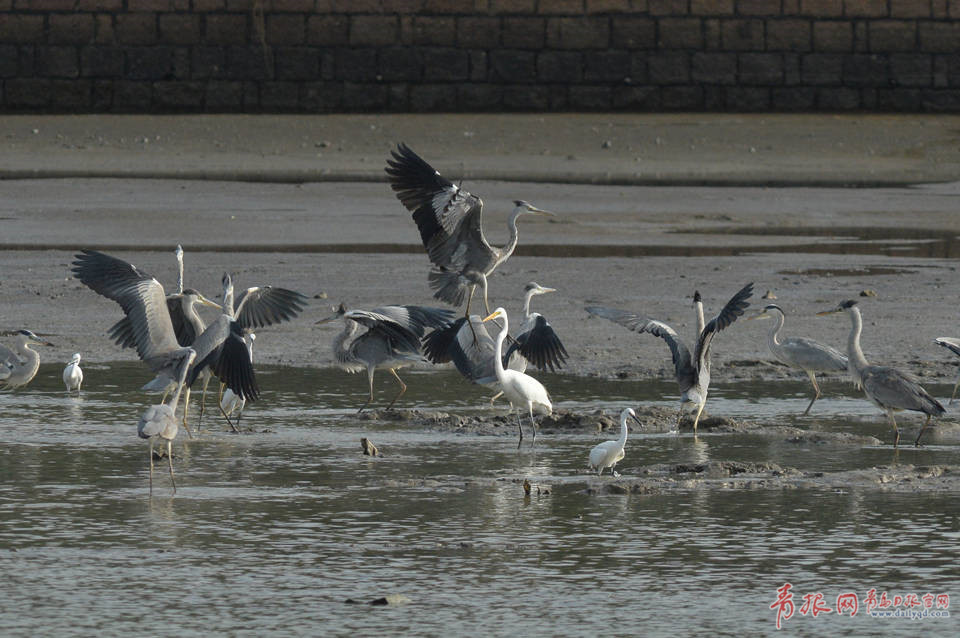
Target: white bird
[
  {"x": 522, "y": 390},
  {"x": 798, "y": 352},
  {"x": 72, "y": 374},
  {"x": 17, "y": 368},
  {"x": 609, "y": 453},
  {"x": 230, "y": 401},
  {"x": 159, "y": 421},
  {"x": 886, "y": 387},
  {"x": 953, "y": 345}
]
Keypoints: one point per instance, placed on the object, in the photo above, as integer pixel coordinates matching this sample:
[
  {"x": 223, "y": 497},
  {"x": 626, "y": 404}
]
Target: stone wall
[{"x": 478, "y": 55}]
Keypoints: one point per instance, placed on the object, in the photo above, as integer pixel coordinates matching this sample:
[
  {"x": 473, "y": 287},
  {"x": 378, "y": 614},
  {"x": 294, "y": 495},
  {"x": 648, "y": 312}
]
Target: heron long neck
[
  {"x": 341, "y": 344},
  {"x": 526, "y": 303},
  {"x": 511, "y": 244},
  {"x": 191, "y": 314},
  {"x": 174, "y": 399},
  {"x": 855, "y": 359},
  {"x": 623, "y": 431},
  {"x": 32, "y": 358},
  {"x": 700, "y": 322},
  {"x": 180, "y": 273},
  {"x": 498, "y": 351},
  {"x": 228, "y": 301},
  {"x": 773, "y": 337}
]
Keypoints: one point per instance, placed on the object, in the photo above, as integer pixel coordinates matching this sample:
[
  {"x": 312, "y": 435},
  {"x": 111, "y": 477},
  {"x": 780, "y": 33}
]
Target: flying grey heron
[
  {"x": 72, "y": 374},
  {"x": 953, "y": 345},
  {"x": 449, "y": 220},
  {"x": 888, "y": 388},
  {"x": 522, "y": 390},
  {"x": 471, "y": 348},
  {"x": 230, "y": 402},
  {"x": 609, "y": 453},
  {"x": 143, "y": 301},
  {"x": 391, "y": 340},
  {"x": 19, "y": 366},
  {"x": 799, "y": 352},
  {"x": 692, "y": 373},
  {"x": 159, "y": 421}
]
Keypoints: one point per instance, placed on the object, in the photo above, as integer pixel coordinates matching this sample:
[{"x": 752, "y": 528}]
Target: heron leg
[
  {"x": 370, "y": 372},
  {"x": 467, "y": 314},
  {"x": 227, "y": 417},
  {"x": 520, "y": 426},
  {"x": 896, "y": 431},
  {"x": 954, "y": 394},
  {"x": 925, "y": 424},
  {"x": 151, "y": 466},
  {"x": 816, "y": 389},
  {"x": 186, "y": 405},
  {"x": 696, "y": 419},
  {"x": 170, "y": 462},
  {"x": 679, "y": 419},
  {"x": 403, "y": 387},
  {"x": 203, "y": 400}
]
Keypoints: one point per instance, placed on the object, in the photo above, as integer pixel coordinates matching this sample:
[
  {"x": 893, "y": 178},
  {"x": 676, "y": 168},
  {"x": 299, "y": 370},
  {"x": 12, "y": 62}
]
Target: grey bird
[
  {"x": 391, "y": 340},
  {"x": 953, "y": 345},
  {"x": 20, "y": 365},
  {"x": 692, "y": 373},
  {"x": 799, "y": 352},
  {"x": 160, "y": 422},
  {"x": 536, "y": 341},
  {"x": 888, "y": 388},
  {"x": 449, "y": 220}
]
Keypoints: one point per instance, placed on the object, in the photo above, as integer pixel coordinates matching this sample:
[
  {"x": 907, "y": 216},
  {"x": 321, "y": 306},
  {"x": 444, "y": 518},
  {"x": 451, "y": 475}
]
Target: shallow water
[{"x": 269, "y": 533}]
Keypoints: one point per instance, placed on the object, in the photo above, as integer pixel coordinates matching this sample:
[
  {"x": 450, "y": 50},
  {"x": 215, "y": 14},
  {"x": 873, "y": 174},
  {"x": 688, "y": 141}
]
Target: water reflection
[{"x": 270, "y": 532}]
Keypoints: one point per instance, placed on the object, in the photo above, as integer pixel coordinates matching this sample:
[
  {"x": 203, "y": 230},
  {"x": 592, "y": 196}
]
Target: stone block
[
  {"x": 356, "y": 65},
  {"x": 908, "y": 69},
  {"x": 796, "y": 99},
  {"x": 634, "y": 32},
  {"x": 758, "y": 7},
  {"x": 435, "y": 30},
  {"x": 102, "y": 62},
  {"x": 513, "y": 66},
  {"x": 479, "y": 97},
  {"x": 27, "y": 92},
  {"x": 523, "y": 32},
  {"x": 865, "y": 8},
  {"x": 136, "y": 28},
  {"x": 578, "y": 33},
  {"x": 739, "y": 99},
  {"x": 680, "y": 33},
  {"x": 328, "y": 30},
  {"x": 179, "y": 28},
  {"x": 765, "y": 69},
  {"x": 358, "y": 96},
  {"x": 526, "y": 98},
  {"x": 222, "y": 97},
  {"x": 296, "y": 63},
  {"x": 892, "y": 35},
  {"x": 149, "y": 63},
  {"x": 178, "y": 96},
  {"x": 789, "y": 35},
  {"x": 21, "y": 28},
  {"x": 560, "y": 66},
  {"x": 833, "y": 37},
  {"x": 57, "y": 61},
  {"x": 607, "y": 66},
  {"x": 742, "y": 35},
  {"x": 590, "y": 98},
  {"x": 478, "y": 31},
  {"x": 909, "y": 8},
  {"x": 668, "y": 68},
  {"x": 70, "y": 28},
  {"x": 373, "y": 30},
  {"x": 682, "y": 98},
  {"x": 819, "y": 69},
  {"x": 713, "y": 68},
  {"x": 208, "y": 62},
  {"x": 286, "y": 29},
  {"x": 865, "y": 70},
  {"x": 401, "y": 64},
  {"x": 226, "y": 29},
  {"x": 433, "y": 98},
  {"x": 445, "y": 64}
]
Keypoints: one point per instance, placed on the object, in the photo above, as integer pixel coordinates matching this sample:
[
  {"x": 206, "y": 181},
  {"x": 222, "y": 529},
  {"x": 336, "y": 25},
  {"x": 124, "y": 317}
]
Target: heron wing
[
  {"x": 682, "y": 364},
  {"x": 417, "y": 319},
  {"x": 445, "y": 214},
  {"x": 474, "y": 359},
  {"x": 540, "y": 345},
  {"x": 953, "y": 345},
  {"x": 186, "y": 333},
  {"x": 264, "y": 306},
  {"x": 140, "y": 296},
  {"x": 8, "y": 357},
  {"x": 222, "y": 348},
  {"x": 734, "y": 308},
  {"x": 813, "y": 355},
  {"x": 891, "y": 388},
  {"x": 401, "y": 337}
]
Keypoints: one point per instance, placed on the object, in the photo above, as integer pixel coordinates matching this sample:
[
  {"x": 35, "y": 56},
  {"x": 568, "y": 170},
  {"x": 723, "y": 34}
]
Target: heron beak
[
  {"x": 332, "y": 317},
  {"x": 207, "y": 302},
  {"x": 492, "y": 315},
  {"x": 760, "y": 315},
  {"x": 546, "y": 290},
  {"x": 824, "y": 313},
  {"x": 540, "y": 211}
]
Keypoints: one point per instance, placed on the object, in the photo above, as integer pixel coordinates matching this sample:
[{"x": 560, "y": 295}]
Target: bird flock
[{"x": 172, "y": 339}]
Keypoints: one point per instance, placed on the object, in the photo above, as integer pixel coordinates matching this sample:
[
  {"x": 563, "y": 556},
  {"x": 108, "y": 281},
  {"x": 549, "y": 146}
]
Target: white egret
[
  {"x": 72, "y": 374},
  {"x": 609, "y": 453},
  {"x": 522, "y": 390}
]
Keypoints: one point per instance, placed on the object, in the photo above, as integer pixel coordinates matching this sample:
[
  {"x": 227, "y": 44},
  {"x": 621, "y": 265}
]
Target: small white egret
[
  {"x": 609, "y": 453},
  {"x": 522, "y": 390},
  {"x": 72, "y": 374}
]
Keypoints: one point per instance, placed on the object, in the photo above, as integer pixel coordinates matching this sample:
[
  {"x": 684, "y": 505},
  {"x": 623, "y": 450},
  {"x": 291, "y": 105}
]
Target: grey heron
[
  {"x": 19, "y": 366},
  {"x": 449, "y": 220},
  {"x": 391, "y": 340},
  {"x": 72, "y": 374},
  {"x": 230, "y": 402},
  {"x": 953, "y": 345},
  {"x": 159, "y": 421},
  {"x": 799, "y": 352},
  {"x": 609, "y": 453},
  {"x": 888, "y": 388},
  {"x": 143, "y": 301},
  {"x": 471, "y": 348},
  {"x": 692, "y": 373},
  {"x": 522, "y": 390}
]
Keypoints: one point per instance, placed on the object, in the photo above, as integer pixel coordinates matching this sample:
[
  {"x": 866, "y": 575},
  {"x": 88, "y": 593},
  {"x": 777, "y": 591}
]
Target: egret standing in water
[
  {"x": 522, "y": 390},
  {"x": 609, "y": 453},
  {"x": 693, "y": 374},
  {"x": 72, "y": 374},
  {"x": 888, "y": 388},
  {"x": 18, "y": 367},
  {"x": 798, "y": 352},
  {"x": 449, "y": 220}
]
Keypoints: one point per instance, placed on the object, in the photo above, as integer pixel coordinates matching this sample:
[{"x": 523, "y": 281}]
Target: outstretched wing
[
  {"x": 540, "y": 346},
  {"x": 140, "y": 296},
  {"x": 264, "y": 306},
  {"x": 682, "y": 364},
  {"x": 401, "y": 337},
  {"x": 734, "y": 308},
  {"x": 953, "y": 345},
  {"x": 417, "y": 319},
  {"x": 222, "y": 348},
  {"x": 446, "y": 215}
]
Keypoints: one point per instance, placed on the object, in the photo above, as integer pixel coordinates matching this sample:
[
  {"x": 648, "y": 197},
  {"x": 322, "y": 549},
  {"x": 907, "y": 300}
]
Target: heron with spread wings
[
  {"x": 449, "y": 220},
  {"x": 692, "y": 372}
]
